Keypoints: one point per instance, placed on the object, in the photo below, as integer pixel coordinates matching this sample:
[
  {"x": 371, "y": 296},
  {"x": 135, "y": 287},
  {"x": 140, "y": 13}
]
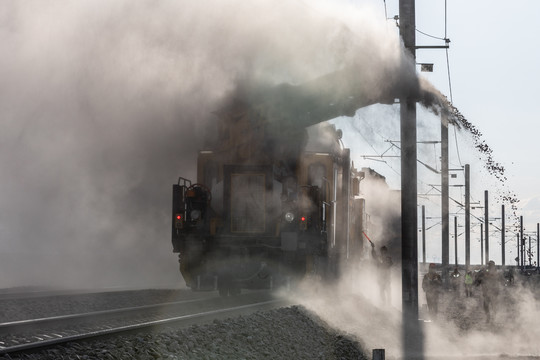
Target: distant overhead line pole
[
  {"x": 486, "y": 221},
  {"x": 522, "y": 242},
  {"x": 503, "y": 236},
  {"x": 445, "y": 199},
  {"x": 455, "y": 242},
  {"x": 424, "y": 234},
  {"x": 467, "y": 216},
  {"x": 481, "y": 244}
]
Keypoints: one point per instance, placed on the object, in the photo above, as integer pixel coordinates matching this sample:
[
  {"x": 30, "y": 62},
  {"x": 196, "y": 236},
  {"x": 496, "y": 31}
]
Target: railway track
[{"x": 37, "y": 334}]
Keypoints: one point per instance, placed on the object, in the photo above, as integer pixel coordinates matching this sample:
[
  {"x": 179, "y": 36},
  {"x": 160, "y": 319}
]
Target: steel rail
[
  {"x": 59, "y": 339},
  {"x": 31, "y": 323}
]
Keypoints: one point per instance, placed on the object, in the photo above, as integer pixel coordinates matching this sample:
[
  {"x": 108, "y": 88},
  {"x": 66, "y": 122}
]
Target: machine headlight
[
  {"x": 289, "y": 216},
  {"x": 195, "y": 214}
]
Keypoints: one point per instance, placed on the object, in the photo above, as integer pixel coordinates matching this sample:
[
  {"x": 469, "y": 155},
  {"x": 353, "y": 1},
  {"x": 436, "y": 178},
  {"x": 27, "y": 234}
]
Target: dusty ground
[
  {"x": 462, "y": 326},
  {"x": 459, "y": 330},
  {"x": 467, "y": 313}
]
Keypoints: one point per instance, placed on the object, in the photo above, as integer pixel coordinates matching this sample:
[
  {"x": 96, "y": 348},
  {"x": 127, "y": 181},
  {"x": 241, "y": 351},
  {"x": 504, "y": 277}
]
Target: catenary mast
[{"x": 412, "y": 337}]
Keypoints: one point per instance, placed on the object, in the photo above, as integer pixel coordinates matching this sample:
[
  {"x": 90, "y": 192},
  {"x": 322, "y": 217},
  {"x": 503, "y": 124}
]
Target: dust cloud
[
  {"x": 104, "y": 104},
  {"x": 460, "y": 330}
]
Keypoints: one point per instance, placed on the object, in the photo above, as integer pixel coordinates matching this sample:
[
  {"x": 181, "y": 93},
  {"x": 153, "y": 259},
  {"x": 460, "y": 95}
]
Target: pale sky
[{"x": 493, "y": 61}]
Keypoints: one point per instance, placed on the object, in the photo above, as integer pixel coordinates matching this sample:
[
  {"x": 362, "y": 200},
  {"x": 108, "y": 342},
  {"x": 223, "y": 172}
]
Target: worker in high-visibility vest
[{"x": 468, "y": 283}]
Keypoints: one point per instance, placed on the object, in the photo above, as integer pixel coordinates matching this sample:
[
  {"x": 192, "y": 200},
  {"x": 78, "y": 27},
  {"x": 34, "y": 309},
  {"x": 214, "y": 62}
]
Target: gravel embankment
[{"x": 287, "y": 333}]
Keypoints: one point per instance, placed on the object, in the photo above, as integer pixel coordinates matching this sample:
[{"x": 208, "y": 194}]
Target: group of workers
[{"x": 488, "y": 279}]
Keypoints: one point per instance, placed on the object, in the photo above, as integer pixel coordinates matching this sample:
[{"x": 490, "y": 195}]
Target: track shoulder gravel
[{"x": 285, "y": 333}]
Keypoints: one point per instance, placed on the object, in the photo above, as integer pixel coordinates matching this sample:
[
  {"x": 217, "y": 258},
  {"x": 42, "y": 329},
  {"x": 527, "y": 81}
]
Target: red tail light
[
  {"x": 303, "y": 223},
  {"x": 179, "y": 221}
]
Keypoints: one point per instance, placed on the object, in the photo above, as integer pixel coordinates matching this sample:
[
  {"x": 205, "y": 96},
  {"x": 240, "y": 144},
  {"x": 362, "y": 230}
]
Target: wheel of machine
[
  {"x": 227, "y": 287},
  {"x": 234, "y": 289},
  {"x": 223, "y": 292},
  {"x": 223, "y": 285}
]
